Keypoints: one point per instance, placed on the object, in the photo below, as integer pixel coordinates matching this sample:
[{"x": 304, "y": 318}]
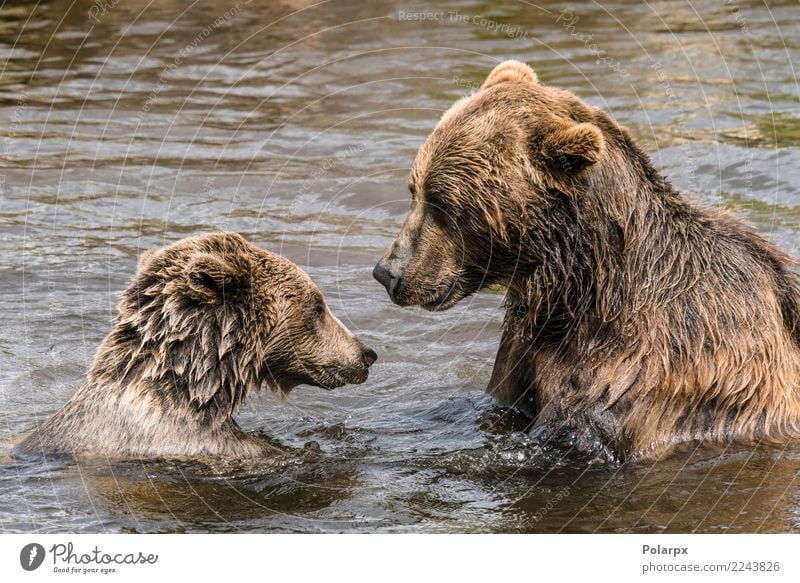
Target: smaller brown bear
[
  {"x": 635, "y": 318},
  {"x": 204, "y": 321}
]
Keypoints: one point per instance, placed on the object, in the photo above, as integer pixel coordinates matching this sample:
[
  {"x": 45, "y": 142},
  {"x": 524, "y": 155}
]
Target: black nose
[
  {"x": 386, "y": 278},
  {"x": 370, "y": 356}
]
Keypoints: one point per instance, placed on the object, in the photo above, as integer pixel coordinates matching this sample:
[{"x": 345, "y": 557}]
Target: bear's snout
[
  {"x": 356, "y": 372},
  {"x": 370, "y": 356},
  {"x": 388, "y": 278}
]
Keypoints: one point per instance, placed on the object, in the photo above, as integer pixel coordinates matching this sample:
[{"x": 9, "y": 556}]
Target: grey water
[{"x": 128, "y": 125}]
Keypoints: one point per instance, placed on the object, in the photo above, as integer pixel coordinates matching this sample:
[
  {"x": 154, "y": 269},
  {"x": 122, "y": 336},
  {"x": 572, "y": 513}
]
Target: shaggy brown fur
[
  {"x": 635, "y": 319},
  {"x": 204, "y": 321}
]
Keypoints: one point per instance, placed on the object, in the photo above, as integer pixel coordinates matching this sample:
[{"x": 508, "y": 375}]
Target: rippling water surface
[{"x": 129, "y": 125}]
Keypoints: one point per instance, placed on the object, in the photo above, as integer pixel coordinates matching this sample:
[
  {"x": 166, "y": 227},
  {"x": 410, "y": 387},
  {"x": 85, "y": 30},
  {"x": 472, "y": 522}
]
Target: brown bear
[
  {"x": 635, "y": 319},
  {"x": 204, "y": 321}
]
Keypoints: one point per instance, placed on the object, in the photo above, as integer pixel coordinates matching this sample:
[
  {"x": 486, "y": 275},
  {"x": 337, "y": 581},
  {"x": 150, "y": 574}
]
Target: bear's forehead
[
  {"x": 272, "y": 269},
  {"x": 224, "y": 245},
  {"x": 509, "y": 100},
  {"x": 473, "y": 121}
]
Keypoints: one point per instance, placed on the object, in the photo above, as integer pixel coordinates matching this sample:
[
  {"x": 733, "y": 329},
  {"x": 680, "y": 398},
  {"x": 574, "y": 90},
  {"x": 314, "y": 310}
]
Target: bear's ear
[
  {"x": 146, "y": 256},
  {"x": 571, "y": 147},
  {"x": 510, "y": 71},
  {"x": 211, "y": 277}
]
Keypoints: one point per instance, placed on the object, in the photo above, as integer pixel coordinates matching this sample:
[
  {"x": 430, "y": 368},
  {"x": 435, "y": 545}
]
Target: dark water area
[{"x": 129, "y": 125}]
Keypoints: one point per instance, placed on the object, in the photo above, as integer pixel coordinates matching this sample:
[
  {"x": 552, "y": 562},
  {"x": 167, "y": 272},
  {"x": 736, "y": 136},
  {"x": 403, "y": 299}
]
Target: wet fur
[
  {"x": 635, "y": 319},
  {"x": 204, "y": 322}
]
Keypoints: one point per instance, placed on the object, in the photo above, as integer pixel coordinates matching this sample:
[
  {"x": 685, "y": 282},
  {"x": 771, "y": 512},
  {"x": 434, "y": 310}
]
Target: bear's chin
[
  {"x": 441, "y": 305},
  {"x": 451, "y": 295},
  {"x": 285, "y": 385},
  {"x": 353, "y": 376}
]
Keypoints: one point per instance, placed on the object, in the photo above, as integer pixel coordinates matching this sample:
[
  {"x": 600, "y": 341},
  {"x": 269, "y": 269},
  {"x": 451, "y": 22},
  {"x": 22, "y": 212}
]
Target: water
[{"x": 295, "y": 123}]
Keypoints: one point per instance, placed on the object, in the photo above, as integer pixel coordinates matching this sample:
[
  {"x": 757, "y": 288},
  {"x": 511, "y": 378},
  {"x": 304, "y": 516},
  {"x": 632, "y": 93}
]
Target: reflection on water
[{"x": 296, "y": 123}]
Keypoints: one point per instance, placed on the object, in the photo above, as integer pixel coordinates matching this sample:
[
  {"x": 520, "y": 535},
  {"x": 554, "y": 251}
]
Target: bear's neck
[
  {"x": 133, "y": 406},
  {"x": 196, "y": 390},
  {"x": 600, "y": 250}
]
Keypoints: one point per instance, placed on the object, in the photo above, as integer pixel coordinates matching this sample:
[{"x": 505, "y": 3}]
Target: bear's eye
[
  {"x": 438, "y": 212},
  {"x": 319, "y": 309}
]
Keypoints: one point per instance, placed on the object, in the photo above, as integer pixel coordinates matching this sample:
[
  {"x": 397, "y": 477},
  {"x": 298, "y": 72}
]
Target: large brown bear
[
  {"x": 203, "y": 322},
  {"x": 635, "y": 319}
]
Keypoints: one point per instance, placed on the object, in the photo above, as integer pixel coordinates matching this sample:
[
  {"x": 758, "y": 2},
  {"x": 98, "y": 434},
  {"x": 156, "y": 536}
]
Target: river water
[{"x": 128, "y": 125}]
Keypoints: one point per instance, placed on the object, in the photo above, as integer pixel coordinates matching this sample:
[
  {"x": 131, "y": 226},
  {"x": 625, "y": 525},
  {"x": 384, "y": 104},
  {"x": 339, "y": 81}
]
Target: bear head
[
  {"x": 486, "y": 183},
  {"x": 216, "y": 316}
]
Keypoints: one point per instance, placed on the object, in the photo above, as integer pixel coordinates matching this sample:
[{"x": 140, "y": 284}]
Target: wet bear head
[
  {"x": 500, "y": 164},
  {"x": 221, "y": 316}
]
